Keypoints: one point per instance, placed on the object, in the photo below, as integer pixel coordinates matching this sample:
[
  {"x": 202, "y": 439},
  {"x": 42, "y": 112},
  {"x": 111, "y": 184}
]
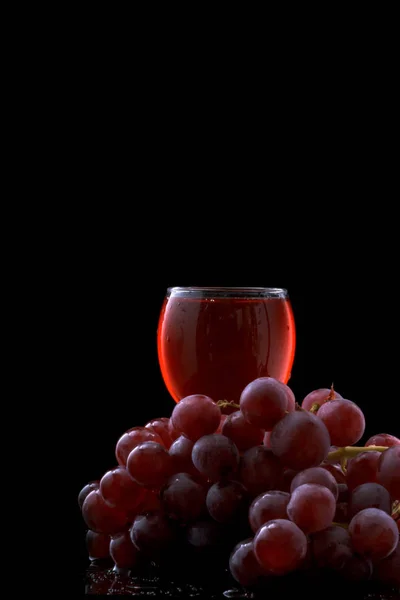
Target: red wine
[{"x": 216, "y": 346}]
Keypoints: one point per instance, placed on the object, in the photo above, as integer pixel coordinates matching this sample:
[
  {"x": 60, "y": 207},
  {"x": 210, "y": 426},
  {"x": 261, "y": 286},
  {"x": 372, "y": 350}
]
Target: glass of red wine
[{"x": 216, "y": 340}]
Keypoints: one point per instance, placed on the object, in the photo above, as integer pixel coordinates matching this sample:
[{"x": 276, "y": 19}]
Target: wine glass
[{"x": 216, "y": 340}]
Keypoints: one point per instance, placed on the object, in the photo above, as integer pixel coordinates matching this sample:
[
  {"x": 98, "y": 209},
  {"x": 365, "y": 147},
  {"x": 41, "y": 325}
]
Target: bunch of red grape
[{"x": 273, "y": 487}]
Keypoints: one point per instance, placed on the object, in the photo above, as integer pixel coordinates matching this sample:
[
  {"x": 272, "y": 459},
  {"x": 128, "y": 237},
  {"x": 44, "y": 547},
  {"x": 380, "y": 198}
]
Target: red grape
[
  {"x": 280, "y": 546},
  {"x": 241, "y": 432},
  {"x": 124, "y": 554},
  {"x": 387, "y": 571},
  {"x": 181, "y": 453},
  {"x": 291, "y": 405},
  {"x": 336, "y": 471},
  {"x": 263, "y": 402},
  {"x": 266, "y": 507},
  {"x": 356, "y": 568},
  {"x": 369, "y": 495},
  {"x": 260, "y": 470},
  {"x": 150, "y": 464},
  {"x": 300, "y": 440},
  {"x": 153, "y": 533},
  {"x": 389, "y": 471},
  {"x": 85, "y": 491},
  {"x": 196, "y": 416},
  {"x": 215, "y": 456},
  {"x": 221, "y": 423},
  {"x": 331, "y": 547},
  {"x": 243, "y": 564},
  {"x": 383, "y": 439},
  {"x": 373, "y": 534},
  {"x": 118, "y": 489},
  {"x": 183, "y": 498},
  {"x": 344, "y": 420},
  {"x": 100, "y": 517},
  {"x": 132, "y": 438},
  {"x": 319, "y": 396},
  {"x": 226, "y": 500},
  {"x": 161, "y": 427},
  {"x": 316, "y": 475},
  {"x": 312, "y": 507},
  {"x": 363, "y": 468},
  {"x": 97, "y": 545}
]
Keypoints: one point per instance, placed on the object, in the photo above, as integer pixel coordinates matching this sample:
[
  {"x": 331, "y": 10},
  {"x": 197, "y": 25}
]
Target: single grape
[
  {"x": 100, "y": 517},
  {"x": 241, "y": 432},
  {"x": 336, "y": 471},
  {"x": 344, "y": 420},
  {"x": 319, "y": 396},
  {"x": 221, "y": 423},
  {"x": 153, "y": 533},
  {"x": 196, "y": 416},
  {"x": 132, "y": 438},
  {"x": 216, "y": 457},
  {"x": 204, "y": 534},
  {"x": 331, "y": 547},
  {"x": 243, "y": 564},
  {"x": 280, "y": 546},
  {"x": 85, "y": 491},
  {"x": 260, "y": 470},
  {"x": 373, "y": 534},
  {"x": 181, "y": 453},
  {"x": 383, "y": 439},
  {"x": 161, "y": 427},
  {"x": 118, "y": 489},
  {"x": 285, "y": 480},
  {"x": 300, "y": 440},
  {"x": 356, "y": 568},
  {"x": 226, "y": 500},
  {"x": 266, "y": 507},
  {"x": 363, "y": 468},
  {"x": 267, "y": 439},
  {"x": 312, "y": 507},
  {"x": 183, "y": 499},
  {"x": 124, "y": 554},
  {"x": 387, "y": 571},
  {"x": 369, "y": 495},
  {"x": 150, "y": 464},
  {"x": 316, "y": 475},
  {"x": 263, "y": 402},
  {"x": 389, "y": 471},
  {"x": 97, "y": 545}
]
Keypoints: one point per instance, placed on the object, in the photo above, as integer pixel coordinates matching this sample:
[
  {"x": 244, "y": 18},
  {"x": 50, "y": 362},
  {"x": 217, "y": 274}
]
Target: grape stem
[
  {"x": 396, "y": 510},
  {"x": 352, "y": 451},
  {"x": 344, "y": 525},
  {"x": 225, "y": 403}
]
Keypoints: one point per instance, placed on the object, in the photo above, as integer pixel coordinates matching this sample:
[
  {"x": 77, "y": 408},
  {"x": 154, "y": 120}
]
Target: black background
[{"x": 344, "y": 306}]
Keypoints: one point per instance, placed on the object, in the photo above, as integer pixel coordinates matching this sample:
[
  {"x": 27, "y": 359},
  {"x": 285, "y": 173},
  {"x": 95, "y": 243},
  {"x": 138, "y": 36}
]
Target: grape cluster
[{"x": 273, "y": 487}]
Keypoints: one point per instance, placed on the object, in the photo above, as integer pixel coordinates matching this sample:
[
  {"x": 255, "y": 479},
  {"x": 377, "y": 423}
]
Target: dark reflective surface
[{"x": 102, "y": 580}]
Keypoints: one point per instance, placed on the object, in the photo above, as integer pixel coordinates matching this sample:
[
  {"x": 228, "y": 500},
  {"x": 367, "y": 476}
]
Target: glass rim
[{"x": 227, "y": 292}]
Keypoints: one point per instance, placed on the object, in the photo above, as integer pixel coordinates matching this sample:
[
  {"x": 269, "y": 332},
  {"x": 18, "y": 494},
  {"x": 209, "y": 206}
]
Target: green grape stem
[
  {"x": 343, "y": 525},
  {"x": 352, "y": 451}
]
